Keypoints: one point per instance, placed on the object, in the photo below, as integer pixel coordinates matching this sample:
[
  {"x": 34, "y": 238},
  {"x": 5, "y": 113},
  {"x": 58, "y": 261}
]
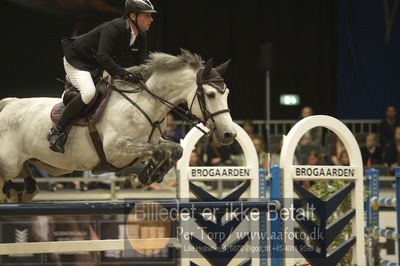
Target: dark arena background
[{"x": 341, "y": 57}]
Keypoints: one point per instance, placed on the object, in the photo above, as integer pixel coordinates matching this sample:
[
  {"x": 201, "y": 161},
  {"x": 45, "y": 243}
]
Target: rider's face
[{"x": 144, "y": 21}]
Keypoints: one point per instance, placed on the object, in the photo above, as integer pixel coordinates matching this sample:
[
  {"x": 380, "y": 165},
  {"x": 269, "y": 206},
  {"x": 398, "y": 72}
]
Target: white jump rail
[{"x": 83, "y": 245}]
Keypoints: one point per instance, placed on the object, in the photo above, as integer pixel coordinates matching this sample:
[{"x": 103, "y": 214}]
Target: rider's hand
[{"x": 133, "y": 77}]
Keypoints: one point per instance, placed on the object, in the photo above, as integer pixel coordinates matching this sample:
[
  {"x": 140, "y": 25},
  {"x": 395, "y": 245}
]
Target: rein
[{"x": 155, "y": 125}]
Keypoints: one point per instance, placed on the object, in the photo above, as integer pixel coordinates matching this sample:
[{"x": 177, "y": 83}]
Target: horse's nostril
[{"x": 229, "y": 135}]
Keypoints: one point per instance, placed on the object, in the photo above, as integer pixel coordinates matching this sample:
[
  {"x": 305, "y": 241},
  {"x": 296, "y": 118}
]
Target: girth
[{"x": 103, "y": 166}]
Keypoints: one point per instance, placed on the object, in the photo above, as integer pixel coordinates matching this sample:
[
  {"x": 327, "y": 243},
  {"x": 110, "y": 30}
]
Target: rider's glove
[{"x": 133, "y": 77}]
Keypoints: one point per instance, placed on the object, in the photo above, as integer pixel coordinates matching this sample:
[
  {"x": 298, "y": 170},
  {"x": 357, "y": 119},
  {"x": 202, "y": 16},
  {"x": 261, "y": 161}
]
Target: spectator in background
[
  {"x": 370, "y": 150},
  {"x": 195, "y": 159},
  {"x": 262, "y": 155},
  {"x": 387, "y": 126},
  {"x": 392, "y": 151},
  {"x": 306, "y": 111},
  {"x": 313, "y": 136},
  {"x": 171, "y": 131},
  {"x": 101, "y": 184},
  {"x": 312, "y": 158},
  {"x": 343, "y": 158},
  {"x": 218, "y": 155},
  {"x": 334, "y": 151},
  {"x": 248, "y": 126},
  {"x": 276, "y": 155},
  {"x": 76, "y": 185}
]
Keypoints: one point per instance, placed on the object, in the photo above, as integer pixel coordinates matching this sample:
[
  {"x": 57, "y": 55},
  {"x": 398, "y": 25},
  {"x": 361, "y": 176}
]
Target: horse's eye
[{"x": 211, "y": 95}]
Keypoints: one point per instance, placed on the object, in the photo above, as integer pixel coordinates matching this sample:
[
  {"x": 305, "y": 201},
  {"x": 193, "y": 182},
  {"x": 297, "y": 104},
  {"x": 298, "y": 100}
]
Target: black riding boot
[{"x": 57, "y": 135}]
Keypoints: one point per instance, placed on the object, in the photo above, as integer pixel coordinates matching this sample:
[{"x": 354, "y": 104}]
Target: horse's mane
[{"x": 158, "y": 61}]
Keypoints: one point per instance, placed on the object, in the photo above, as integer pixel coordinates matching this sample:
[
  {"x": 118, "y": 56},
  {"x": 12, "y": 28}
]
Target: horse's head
[{"x": 210, "y": 102}]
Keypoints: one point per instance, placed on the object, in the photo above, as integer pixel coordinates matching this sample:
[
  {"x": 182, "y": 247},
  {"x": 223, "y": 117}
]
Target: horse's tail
[{"x": 5, "y": 101}]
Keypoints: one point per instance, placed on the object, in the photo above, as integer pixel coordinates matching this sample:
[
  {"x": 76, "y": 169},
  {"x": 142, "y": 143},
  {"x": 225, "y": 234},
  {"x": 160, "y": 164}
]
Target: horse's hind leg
[
  {"x": 9, "y": 190},
  {"x": 31, "y": 188},
  {"x": 11, "y": 165},
  {"x": 3, "y": 197},
  {"x": 9, "y": 169}
]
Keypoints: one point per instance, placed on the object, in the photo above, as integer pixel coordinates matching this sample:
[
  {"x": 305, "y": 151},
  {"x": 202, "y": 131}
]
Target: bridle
[
  {"x": 185, "y": 114},
  {"x": 201, "y": 97}
]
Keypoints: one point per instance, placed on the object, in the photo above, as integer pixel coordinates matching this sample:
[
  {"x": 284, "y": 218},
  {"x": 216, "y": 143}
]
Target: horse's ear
[
  {"x": 222, "y": 68},
  {"x": 183, "y": 51},
  {"x": 208, "y": 66}
]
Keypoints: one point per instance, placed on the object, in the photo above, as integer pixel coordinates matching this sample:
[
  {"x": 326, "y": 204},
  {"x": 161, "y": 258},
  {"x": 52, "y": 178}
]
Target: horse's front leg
[
  {"x": 172, "y": 153},
  {"x": 125, "y": 150},
  {"x": 174, "y": 150},
  {"x": 160, "y": 157}
]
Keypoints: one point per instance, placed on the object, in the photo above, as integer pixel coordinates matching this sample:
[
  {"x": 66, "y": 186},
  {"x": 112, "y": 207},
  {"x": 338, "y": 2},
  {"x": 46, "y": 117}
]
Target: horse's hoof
[
  {"x": 135, "y": 182},
  {"x": 7, "y": 187},
  {"x": 13, "y": 198},
  {"x": 177, "y": 153}
]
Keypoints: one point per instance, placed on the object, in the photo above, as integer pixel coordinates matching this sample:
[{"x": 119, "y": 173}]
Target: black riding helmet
[{"x": 138, "y": 6}]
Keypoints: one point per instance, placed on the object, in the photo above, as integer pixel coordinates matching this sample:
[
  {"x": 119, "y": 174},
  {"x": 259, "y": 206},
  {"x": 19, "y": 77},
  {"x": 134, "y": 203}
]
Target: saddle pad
[{"x": 95, "y": 111}]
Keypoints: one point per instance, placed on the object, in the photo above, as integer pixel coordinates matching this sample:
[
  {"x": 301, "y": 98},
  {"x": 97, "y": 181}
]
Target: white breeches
[{"x": 82, "y": 80}]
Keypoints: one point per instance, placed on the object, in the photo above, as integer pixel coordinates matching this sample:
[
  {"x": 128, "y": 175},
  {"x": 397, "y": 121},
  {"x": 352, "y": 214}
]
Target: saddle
[
  {"x": 93, "y": 111},
  {"x": 89, "y": 117}
]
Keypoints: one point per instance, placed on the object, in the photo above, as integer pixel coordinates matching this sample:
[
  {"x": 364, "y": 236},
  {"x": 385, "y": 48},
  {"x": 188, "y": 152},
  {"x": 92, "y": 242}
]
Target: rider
[{"x": 97, "y": 50}]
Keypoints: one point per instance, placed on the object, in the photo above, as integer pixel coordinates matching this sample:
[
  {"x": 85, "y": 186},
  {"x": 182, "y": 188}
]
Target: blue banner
[{"x": 368, "y": 58}]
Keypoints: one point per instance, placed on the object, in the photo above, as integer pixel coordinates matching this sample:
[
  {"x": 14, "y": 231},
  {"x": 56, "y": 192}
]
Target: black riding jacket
[{"x": 106, "y": 47}]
